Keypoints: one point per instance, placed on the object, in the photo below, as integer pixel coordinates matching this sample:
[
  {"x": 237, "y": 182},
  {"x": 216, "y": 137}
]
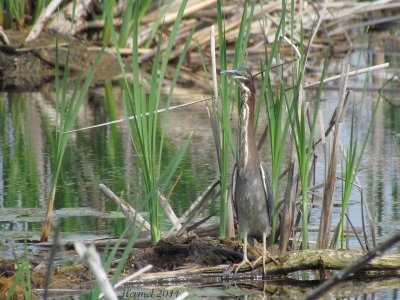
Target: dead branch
[{"x": 362, "y": 263}]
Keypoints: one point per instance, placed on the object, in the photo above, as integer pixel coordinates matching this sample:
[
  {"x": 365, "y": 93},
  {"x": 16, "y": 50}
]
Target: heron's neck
[{"x": 248, "y": 157}]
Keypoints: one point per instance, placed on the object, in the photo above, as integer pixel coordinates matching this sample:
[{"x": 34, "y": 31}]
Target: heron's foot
[
  {"x": 266, "y": 256},
  {"x": 244, "y": 262},
  {"x": 263, "y": 259}
]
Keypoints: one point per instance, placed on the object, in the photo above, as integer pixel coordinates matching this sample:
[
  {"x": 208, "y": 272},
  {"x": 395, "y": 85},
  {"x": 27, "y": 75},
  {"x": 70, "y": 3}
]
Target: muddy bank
[
  {"x": 172, "y": 254},
  {"x": 29, "y": 66}
]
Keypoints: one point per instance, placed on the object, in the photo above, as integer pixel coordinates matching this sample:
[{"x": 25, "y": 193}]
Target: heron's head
[{"x": 242, "y": 76}]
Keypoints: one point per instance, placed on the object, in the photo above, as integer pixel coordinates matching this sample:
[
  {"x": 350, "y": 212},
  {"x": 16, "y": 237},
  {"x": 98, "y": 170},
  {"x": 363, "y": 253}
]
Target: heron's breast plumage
[
  {"x": 249, "y": 195},
  {"x": 251, "y": 206}
]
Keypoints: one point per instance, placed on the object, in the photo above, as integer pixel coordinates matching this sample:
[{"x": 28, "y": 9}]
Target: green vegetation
[
  {"x": 277, "y": 123},
  {"x": 20, "y": 11},
  {"x": 22, "y": 279},
  {"x": 67, "y": 110},
  {"x": 144, "y": 127},
  {"x": 223, "y": 125},
  {"x": 222, "y": 112},
  {"x": 353, "y": 157},
  {"x": 290, "y": 118},
  {"x": 12, "y": 10}
]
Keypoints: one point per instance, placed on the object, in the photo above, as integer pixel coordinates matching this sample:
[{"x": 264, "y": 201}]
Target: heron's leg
[
  {"x": 264, "y": 255},
  {"x": 264, "y": 252},
  {"x": 245, "y": 260}
]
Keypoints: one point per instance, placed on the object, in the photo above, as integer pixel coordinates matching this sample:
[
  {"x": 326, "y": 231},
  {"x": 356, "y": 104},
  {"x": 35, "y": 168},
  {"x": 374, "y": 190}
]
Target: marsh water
[{"x": 105, "y": 155}]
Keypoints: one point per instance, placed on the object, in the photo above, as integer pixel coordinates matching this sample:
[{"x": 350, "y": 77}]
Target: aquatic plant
[
  {"x": 21, "y": 286},
  {"x": 222, "y": 111},
  {"x": 145, "y": 127},
  {"x": 67, "y": 110}
]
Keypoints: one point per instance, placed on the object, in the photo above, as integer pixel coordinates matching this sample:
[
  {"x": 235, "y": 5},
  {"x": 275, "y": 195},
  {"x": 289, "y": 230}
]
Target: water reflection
[
  {"x": 98, "y": 155},
  {"x": 105, "y": 155}
]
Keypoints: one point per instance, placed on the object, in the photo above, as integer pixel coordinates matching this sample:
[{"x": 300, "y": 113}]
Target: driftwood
[
  {"x": 92, "y": 258},
  {"x": 41, "y": 22},
  {"x": 129, "y": 212}
]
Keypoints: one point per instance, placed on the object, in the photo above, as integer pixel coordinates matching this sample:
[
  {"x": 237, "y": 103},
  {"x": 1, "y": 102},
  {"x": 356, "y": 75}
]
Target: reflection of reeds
[
  {"x": 67, "y": 111},
  {"x": 396, "y": 144}
]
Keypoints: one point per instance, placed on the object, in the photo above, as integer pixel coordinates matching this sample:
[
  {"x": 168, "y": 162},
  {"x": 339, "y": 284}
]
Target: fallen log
[{"x": 290, "y": 262}]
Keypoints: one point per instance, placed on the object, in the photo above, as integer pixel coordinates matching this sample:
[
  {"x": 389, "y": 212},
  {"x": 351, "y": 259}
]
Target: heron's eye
[{"x": 244, "y": 73}]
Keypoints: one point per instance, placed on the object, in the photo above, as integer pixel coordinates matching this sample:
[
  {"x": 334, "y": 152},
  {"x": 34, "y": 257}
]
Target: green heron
[{"x": 251, "y": 183}]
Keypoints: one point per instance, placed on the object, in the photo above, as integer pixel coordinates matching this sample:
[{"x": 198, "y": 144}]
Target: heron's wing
[
  {"x": 234, "y": 175},
  {"x": 266, "y": 179}
]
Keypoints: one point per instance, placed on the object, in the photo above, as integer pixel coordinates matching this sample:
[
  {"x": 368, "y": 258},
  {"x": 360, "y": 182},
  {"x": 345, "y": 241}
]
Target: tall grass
[
  {"x": 285, "y": 110},
  {"x": 353, "y": 158},
  {"x": 302, "y": 129},
  {"x": 303, "y": 140},
  {"x": 40, "y": 5},
  {"x": 127, "y": 21},
  {"x": 291, "y": 119},
  {"x": 396, "y": 145},
  {"x": 16, "y": 11},
  {"x": 109, "y": 254},
  {"x": 147, "y": 135},
  {"x": 67, "y": 110},
  {"x": 222, "y": 111},
  {"x": 278, "y": 124},
  {"x": 223, "y": 125},
  {"x": 106, "y": 28},
  {"x": 21, "y": 287}
]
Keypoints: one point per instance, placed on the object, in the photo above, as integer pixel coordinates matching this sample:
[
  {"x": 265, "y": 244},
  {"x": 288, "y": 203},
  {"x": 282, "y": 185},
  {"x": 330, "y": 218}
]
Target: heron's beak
[{"x": 229, "y": 72}]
